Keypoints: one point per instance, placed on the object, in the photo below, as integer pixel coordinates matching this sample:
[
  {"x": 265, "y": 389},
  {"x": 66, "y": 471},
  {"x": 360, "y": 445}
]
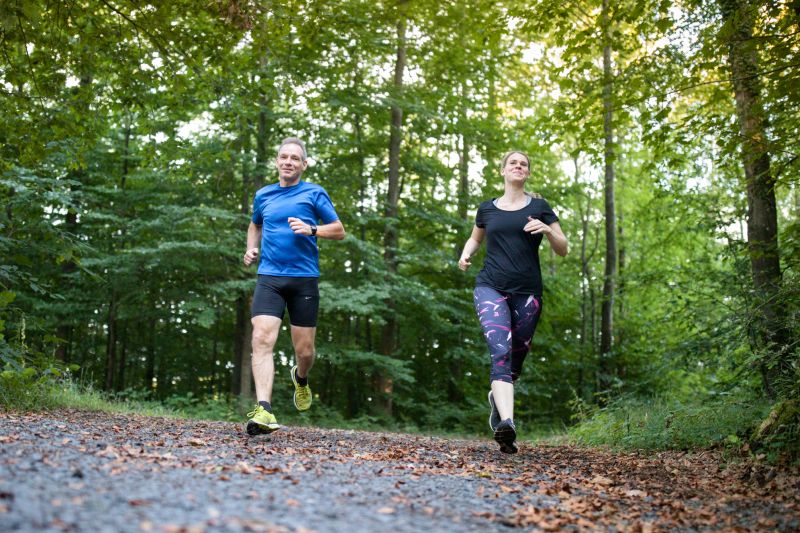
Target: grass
[
  {"x": 70, "y": 395},
  {"x": 662, "y": 424},
  {"x": 30, "y": 395},
  {"x": 655, "y": 424},
  {"x": 22, "y": 393}
]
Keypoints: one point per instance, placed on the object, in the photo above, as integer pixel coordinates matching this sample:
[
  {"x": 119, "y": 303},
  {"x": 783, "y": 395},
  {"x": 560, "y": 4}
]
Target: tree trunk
[
  {"x": 262, "y": 139},
  {"x": 242, "y": 382},
  {"x": 454, "y": 393},
  {"x": 83, "y": 93},
  {"x": 162, "y": 385},
  {"x": 607, "y": 324},
  {"x": 120, "y": 385},
  {"x": 111, "y": 341},
  {"x": 620, "y": 334},
  {"x": 490, "y": 171},
  {"x": 463, "y": 162},
  {"x": 762, "y": 214},
  {"x": 64, "y": 331},
  {"x": 584, "y": 302},
  {"x": 246, "y": 376},
  {"x": 390, "y": 236},
  {"x": 239, "y": 346},
  {"x": 150, "y": 364},
  {"x": 212, "y": 382},
  {"x": 585, "y": 281}
]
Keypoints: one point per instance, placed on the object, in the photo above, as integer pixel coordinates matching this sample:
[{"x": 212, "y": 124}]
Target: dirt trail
[{"x": 88, "y": 471}]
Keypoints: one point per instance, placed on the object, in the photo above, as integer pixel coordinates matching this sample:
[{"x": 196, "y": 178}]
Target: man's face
[{"x": 290, "y": 162}]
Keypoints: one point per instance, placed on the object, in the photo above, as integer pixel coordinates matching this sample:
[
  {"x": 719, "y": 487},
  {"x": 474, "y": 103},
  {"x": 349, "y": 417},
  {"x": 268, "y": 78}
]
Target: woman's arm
[
  {"x": 554, "y": 234},
  {"x": 470, "y": 247},
  {"x": 557, "y": 239}
]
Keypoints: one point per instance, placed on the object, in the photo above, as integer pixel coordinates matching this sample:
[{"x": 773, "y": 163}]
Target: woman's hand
[
  {"x": 470, "y": 247},
  {"x": 535, "y": 226}
]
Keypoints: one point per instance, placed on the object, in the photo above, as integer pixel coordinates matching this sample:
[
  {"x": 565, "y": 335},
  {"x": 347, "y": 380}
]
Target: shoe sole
[
  {"x": 254, "y": 428},
  {"x": 294, "y": 396},
  {"x": 505, "y": 438},
  {"x": 492, "y": 411}
]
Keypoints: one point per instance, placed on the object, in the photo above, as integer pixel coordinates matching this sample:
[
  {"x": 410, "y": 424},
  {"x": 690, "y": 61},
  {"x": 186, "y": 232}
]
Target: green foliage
[
  {"x": 664, "y": 423},
  {"x": 778, "y": 436},
  {"x": 131, "y": 148},
  {"x": 75, "y": 394}
]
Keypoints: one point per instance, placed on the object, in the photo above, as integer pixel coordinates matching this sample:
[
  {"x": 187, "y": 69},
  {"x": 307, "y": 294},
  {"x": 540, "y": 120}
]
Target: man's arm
[
  {"x": 334, "y": 230},
  {"x": 253, "y": 240}
]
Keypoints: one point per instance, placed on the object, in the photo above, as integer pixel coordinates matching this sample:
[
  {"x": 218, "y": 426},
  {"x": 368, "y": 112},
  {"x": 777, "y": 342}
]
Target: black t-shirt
[{"x": 512, "y": 255}]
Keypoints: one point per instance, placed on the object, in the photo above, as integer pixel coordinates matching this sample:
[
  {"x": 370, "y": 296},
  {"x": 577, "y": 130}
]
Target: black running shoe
[
  {"x": 505, "y": 434},
  {"x": 494, "y": 414}
]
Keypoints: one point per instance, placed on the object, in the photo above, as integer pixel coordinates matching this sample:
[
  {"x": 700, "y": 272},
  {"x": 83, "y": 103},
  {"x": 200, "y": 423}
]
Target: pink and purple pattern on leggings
[{"x": 508, "y": 321}]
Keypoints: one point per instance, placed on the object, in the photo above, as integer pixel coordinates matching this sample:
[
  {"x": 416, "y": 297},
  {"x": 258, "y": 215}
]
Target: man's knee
[
  {"x": 304, "y": 351},
  {"x": 264, "y": 338}
]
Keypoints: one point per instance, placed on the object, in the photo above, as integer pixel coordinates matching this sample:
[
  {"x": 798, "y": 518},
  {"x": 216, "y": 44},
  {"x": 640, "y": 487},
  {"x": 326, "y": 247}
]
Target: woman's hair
[{"x": 512, "y": 152}]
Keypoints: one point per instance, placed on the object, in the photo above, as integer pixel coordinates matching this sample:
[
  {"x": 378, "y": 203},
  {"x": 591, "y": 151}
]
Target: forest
[{"x": 665, "y": 134}]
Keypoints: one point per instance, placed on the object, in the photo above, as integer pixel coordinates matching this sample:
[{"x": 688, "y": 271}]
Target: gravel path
[{"x": 89, "y": 471}]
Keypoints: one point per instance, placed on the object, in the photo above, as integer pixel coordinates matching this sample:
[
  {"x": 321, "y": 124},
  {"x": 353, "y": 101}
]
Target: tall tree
[
  {"x": 390, "y": 235},
  {"x": 762, "y": 213},
  {"x": 609, "y": 282}
]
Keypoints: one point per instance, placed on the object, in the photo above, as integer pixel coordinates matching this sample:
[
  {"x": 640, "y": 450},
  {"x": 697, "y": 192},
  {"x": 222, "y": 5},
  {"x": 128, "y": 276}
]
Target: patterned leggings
[{"x": 508, "y": 321}]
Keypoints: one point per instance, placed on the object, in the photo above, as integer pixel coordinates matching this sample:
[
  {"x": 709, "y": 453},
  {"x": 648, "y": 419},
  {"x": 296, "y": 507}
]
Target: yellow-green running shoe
[
  {"x": 261, "y": 421},
  {"x": 302, "y": 394}
]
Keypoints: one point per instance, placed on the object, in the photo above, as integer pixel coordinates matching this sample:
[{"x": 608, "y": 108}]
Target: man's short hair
[{"x": 294, "y": 140}]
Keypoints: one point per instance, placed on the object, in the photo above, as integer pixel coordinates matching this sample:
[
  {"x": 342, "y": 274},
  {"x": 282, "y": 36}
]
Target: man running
[{"x": 285, "y": 216}]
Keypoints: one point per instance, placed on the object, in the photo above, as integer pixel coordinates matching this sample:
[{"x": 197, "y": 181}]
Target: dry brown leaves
[{"x": 555, "y": 486}]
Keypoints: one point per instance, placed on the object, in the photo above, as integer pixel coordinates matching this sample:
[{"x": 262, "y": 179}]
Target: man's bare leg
[
  {"x": 265, "y": 334},
  {"x": 303, "y": 340}
]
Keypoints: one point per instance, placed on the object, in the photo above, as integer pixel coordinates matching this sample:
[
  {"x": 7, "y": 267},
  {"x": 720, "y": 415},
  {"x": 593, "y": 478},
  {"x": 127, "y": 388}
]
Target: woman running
[{"x": 508, "y": 290}]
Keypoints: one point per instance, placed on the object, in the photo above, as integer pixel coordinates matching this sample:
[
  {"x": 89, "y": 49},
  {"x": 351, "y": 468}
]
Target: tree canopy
[{"x": 135, "y": 135}]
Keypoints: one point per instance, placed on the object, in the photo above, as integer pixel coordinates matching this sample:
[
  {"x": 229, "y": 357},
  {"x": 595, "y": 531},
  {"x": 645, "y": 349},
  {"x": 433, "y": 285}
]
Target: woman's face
[{"x": 516, "y": 168}]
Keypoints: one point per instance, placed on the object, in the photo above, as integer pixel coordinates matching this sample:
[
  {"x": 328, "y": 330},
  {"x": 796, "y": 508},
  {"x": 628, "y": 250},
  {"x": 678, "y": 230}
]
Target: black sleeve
[
  {"x": 480, "y": 217},
  {"x": 548, "y": 216}
]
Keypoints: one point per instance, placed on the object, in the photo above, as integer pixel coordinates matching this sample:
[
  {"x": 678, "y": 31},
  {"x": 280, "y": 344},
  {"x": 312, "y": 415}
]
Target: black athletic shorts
[{"x": 275, "y": 293}]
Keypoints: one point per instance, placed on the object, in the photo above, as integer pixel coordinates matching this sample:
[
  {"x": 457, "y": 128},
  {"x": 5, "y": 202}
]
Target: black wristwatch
[{"x": 313, "y": 229}]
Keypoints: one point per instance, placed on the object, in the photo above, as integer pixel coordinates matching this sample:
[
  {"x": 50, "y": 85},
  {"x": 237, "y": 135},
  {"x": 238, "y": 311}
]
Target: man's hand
[
  {"x": 464, "y": 263},
  {"x": 299, "y": 227},
  {"x": 250, "y": 256}
]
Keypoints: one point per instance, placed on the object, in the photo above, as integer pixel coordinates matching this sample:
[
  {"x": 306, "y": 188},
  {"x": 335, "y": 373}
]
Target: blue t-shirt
[{"x": 284, "y": 253}]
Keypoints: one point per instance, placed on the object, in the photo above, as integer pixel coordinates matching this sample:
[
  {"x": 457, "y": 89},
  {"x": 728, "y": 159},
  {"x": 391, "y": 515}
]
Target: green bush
[
  {"x": 26, "y": 379},
  {"x": 659, "y": 423},
  {"x": 778, "y": 436},
  {"x": 22, "y": 389}
]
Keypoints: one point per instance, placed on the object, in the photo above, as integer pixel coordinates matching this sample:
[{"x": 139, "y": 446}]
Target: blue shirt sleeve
[
  {"x": 258, "y": 217},
  {"x": 324, "y": 207}
]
